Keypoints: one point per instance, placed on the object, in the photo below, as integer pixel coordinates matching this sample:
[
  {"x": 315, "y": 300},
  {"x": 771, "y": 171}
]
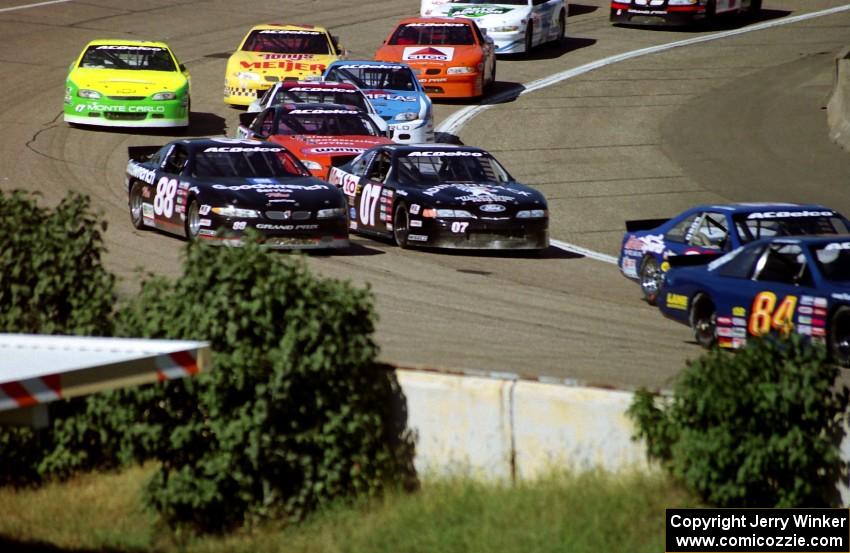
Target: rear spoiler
[
  {"x": 142, "y": 153},
  {"x": 693, "y": 260},
  {"x": 644, "y": 224},
  {"x": 247, "y": 119}
]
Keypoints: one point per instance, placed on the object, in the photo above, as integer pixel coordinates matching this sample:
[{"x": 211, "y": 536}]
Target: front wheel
[
  {"x": 839, "y": 336},
  {"x": 650, "y": 279},
  {"x": 193, "y": 221},
  {"x": 401, "y": 226},
  {"x": 529, "y": 38},
  {"x": 136, "y": 215},
  {"x": 562, "y": 27},
  {"x": 704, "y": 321}
]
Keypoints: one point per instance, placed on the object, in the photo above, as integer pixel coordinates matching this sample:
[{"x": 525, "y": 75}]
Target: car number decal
[
  {"x": 368, "y": 202},
  {"x": 766, "y": 315},
  {"x": 163, "y": 202}
]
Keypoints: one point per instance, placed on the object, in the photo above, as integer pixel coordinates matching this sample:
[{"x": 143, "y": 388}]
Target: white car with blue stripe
[{"x": 516, "y": 26}]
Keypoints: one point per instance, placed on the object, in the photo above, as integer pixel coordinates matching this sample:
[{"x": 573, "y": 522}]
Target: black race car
[
  {"x": 215, "y": 188},
  {"x": 444, "y": 196}
]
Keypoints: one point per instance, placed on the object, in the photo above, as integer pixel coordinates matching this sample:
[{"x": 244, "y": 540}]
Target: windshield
[
  {"x": 313, "y": 95},
  {"x": 148, "y": 58},
  {"x": 826, "y": 223},
  {"x": 257, "y": 162},
  {"x": 833, "y": 260},
  {"x": 432, "y": 167},
  {"x": 397, "y": 77},
  {"x": 287, "y": 42},
  {"x": 503, "y": 2},
  {"x": 432, "y": 34},
  {"x": 326, "y": 123}
]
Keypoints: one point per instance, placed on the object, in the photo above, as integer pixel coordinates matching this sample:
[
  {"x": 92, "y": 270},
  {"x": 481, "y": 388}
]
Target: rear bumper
[{"x": 628, "y": 14}]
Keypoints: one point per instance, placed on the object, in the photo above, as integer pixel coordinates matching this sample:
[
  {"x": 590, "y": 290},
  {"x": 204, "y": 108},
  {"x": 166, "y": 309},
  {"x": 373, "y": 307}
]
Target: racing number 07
[{"x": 368, "y": 202}]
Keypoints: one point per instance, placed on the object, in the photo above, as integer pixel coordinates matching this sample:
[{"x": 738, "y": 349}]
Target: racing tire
[
  {"x": 401, "y": 226},
  {"x": 839, "y": 336},
  {"x": 562, "y": 28},
  {"x": 492, "y": 77},
  {"x": 650, "y": 279},
  {"x": 755, "y": 7},
  {"x": 710, "y": 11},
  {"x": 703, "y": 319},
  {"x": 529, "y": 39},
  {"x": 193, "y": 220},
  {"x": 135, "y": 204}
]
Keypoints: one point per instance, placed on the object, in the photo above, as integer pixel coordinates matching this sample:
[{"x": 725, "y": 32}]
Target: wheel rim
[
  {"x": 650, "y": 278},
  {"x": 136, "y": 205},
  {"x": 400, "y": 227},
  {"x": 705, "y": 329},
  {"x": 841, "y": 342},
  {"x": 193, "y": 221}
]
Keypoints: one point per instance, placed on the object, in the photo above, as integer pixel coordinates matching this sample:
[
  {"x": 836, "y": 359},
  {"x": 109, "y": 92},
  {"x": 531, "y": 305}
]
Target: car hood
[
  {"x": 389, "y": 103},
  {"x": 269, "y": 192},
  {"x": 329, "y": 145},
  {"x": 510, "y": 197},
  {"x": 486, "y": 15},
  {"x": 127, "y": 82},
  {"x": 278, "y": 65}
]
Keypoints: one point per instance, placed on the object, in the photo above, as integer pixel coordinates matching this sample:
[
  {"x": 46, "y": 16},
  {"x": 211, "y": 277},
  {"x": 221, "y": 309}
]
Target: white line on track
[
  {"x": 458, "y": 119},
  {"x": 36, "y": 5}
]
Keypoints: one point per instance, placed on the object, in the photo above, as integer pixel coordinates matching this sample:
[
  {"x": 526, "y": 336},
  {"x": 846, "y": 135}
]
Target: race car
[
  {"x": 516, "y": 26},
  {"x": 320, "y": 135},
  {"x": 318, "y": 92},
  {"x": 451, "y": 57},
  {"x": 127, "y": 83},
  {"x": 677, "y": 12},
  {"x": 274, "y": 52},
  {"x": 778, "y": 284},
  {"x": 441, "y": 196},
  {"x": 214, "y": 189},
  {"x": 396, "y": 94},
  {"x": 715, "y": 229}
]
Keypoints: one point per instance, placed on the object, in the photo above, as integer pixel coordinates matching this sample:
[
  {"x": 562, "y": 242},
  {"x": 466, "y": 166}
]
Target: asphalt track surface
[{"x": 737, "y": 119}]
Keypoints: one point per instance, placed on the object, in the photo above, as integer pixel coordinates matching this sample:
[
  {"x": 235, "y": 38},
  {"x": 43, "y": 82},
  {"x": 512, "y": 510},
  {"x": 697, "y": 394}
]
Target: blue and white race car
[
  {"x": 781, "y": 285},
  {"x": 516, "y": 26},
  {"x": 395, "y": 93},
  {"x": 715, "y": 229}
]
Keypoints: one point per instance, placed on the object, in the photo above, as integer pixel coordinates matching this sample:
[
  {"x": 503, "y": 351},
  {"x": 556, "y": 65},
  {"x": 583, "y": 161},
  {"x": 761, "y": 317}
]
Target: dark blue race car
[
  {"x": 781, "y": 284},
  {"x": 715, "y": 229}
]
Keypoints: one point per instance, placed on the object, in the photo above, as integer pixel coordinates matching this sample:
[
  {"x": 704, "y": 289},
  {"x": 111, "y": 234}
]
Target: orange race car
[
  {"x": 320, "y": 135},
  {"x": 451, "y": 56}
]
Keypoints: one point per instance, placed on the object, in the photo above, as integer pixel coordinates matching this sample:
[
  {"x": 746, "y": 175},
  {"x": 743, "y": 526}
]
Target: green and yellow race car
[{"x": 127, "y": 83}]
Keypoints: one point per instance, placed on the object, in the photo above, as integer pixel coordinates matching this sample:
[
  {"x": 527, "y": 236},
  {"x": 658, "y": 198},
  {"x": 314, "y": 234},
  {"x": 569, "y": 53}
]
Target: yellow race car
[
  {"x": 127, "y": 83},
  {"x": 271, "y": 53}
]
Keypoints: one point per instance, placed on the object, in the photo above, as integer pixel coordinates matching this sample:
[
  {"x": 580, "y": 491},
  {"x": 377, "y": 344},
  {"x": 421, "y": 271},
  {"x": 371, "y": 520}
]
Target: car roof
[
  {"x": 289, "y": 106},
  {"x": 316, "y": 84},
  {"x": 125, "y": 42},
  {"x": 756, "y": 207},
  {"x": 195, "y": 144},
  {"x": 371, "y": 63},
  {"x": 286, "y": 27},
  {"x": 452, "y": 20},
  {"x": 803, "y": 240}
]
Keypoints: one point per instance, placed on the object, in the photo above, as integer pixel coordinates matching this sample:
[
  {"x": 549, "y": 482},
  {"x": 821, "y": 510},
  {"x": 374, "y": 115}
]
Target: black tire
[
  {"x": 704, "y": 321},
  {"x": 135, "y": 205},
  {"x": 193, "y": 220},
  {"x": 492, "y": 76},
  {"x": 529, "y": 39},
  {"x": 562, "y": 28},
  {"x": 839, "y": 336},
  {"x": 755, "y": 7},
  {"x": 710, "y": 11},
  {"x": 650, "y": 279},
  {"x": 401, "y": 226}
]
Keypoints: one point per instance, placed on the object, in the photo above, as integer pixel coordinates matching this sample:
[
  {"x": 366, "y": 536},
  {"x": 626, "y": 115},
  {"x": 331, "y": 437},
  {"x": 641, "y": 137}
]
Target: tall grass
[{"x": 587, "y": 512}]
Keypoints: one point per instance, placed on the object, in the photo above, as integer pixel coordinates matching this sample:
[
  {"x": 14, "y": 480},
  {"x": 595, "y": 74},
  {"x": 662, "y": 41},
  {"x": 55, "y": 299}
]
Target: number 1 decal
[
  {"x": 766, "y": 315},
  {"x": 368, "y": 203}
]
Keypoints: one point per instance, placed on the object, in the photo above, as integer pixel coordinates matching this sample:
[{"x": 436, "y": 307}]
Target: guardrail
[{"x": 838, "y": 107}]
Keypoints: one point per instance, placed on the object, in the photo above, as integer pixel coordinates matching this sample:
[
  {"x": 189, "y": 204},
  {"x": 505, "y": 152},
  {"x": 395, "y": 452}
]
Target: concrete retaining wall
[{"x": 838, "y": 108}]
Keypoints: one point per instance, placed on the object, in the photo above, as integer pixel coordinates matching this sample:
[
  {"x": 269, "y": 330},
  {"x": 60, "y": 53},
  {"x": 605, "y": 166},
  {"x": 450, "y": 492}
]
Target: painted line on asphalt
[
  {"x": 458, "y": 119},
  {"x": 36, "y": 5}
]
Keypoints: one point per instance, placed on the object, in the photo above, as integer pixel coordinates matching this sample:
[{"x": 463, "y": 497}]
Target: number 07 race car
[
  {"x": 785, "y": 285},
  {"x": 441, "y": 196},
  {"x": 648, "y": 245},
  {"x": 214, "y": 189}
]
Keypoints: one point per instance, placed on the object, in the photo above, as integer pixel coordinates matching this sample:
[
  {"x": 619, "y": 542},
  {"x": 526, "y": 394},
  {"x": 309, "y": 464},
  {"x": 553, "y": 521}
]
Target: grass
[{"x": 562, "y": 512}]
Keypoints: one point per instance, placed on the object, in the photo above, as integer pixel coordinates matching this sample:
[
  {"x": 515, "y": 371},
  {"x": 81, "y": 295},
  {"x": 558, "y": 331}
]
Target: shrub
[
  {"x": 295, "y": 413},
  {"x": 756, "y": 428},
  {"x": 52, "y": 281}
]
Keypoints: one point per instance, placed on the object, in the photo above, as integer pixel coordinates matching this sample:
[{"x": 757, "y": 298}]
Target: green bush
[
  {"x": 52, "y": 281},
  {"x": 296, "y": 412},
  {"x": 756, "y": 428}
]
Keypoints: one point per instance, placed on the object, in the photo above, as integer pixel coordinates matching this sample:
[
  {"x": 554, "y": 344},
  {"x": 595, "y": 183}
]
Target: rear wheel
[
  {"x": 704, "y": 321},
  {"x": 193, "y": 220},
  {"x": 562, "y": 27},
  {"x": 755, "y": 7},
  {"x": 650, "y": 279},
  {"x": 136, "y": 215},
  {"x": 401, "y": 226},
  {"x": 839, "y": 336},
  {"x": 529, "y": 38}
]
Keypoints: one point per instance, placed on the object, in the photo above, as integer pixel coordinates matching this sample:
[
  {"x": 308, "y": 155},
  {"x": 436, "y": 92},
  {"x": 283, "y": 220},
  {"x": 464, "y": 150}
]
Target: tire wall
[{"x": 838, "y": 108}]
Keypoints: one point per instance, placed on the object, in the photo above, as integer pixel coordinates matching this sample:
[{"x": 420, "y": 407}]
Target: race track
[{"x": 735, "y": 119}]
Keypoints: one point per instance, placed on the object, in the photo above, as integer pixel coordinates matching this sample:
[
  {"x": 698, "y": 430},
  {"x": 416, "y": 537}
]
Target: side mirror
[
  {"x": 247, "y": 119},
  {"x": 183, "y": 67}
]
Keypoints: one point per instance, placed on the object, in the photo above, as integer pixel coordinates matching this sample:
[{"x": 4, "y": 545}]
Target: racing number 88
[
  {"x": 766, "y": 315},
  {"x": 163, "y": 203}
]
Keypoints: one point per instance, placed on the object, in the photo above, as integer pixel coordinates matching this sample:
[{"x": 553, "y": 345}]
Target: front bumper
[
  {"x": 628, "y": 14},
  {"x": 442, "y": 85},
  {"x": 107, "y": 112},
  {"x": 509, "y": 43},
  {"x": 278, "y": 234},
  {"x": 412, "y": 132},
  {"x": 244, "y": 93},
  {"x": 532, "y": 234}
]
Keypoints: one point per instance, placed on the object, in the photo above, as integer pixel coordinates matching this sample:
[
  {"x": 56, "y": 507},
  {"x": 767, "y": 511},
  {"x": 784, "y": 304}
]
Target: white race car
[{"x": 515, "y": 26}]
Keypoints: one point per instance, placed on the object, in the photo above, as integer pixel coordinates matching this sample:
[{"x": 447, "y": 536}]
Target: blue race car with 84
[
  {"x": 715, "y": 229},
  {"x": 782, "y": 285}
]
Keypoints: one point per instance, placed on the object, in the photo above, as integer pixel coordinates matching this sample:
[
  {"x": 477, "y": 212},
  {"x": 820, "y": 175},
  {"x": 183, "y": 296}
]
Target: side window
[
  {"x": 478, "y": 36},
  {"x": 380, "y": 167},
  {"x": 711, "y": 231},
  {"x": 785, "y": 264},
  {"x": 358, "y": 167},
  {"x": 266, "y": 124},
  {"x": 741, "y": 264},
  {"x": 176, "y": 160},
  {"x": 679, "y": 232}
]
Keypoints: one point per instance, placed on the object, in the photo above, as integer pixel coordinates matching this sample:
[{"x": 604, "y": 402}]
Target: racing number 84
[
  {"x": 163, "y": 202},
  {"x": 766, "y": 315}
]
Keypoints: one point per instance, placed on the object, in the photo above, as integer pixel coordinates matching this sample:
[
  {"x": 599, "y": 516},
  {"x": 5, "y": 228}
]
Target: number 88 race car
[{"x": 441, "y": 196}]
